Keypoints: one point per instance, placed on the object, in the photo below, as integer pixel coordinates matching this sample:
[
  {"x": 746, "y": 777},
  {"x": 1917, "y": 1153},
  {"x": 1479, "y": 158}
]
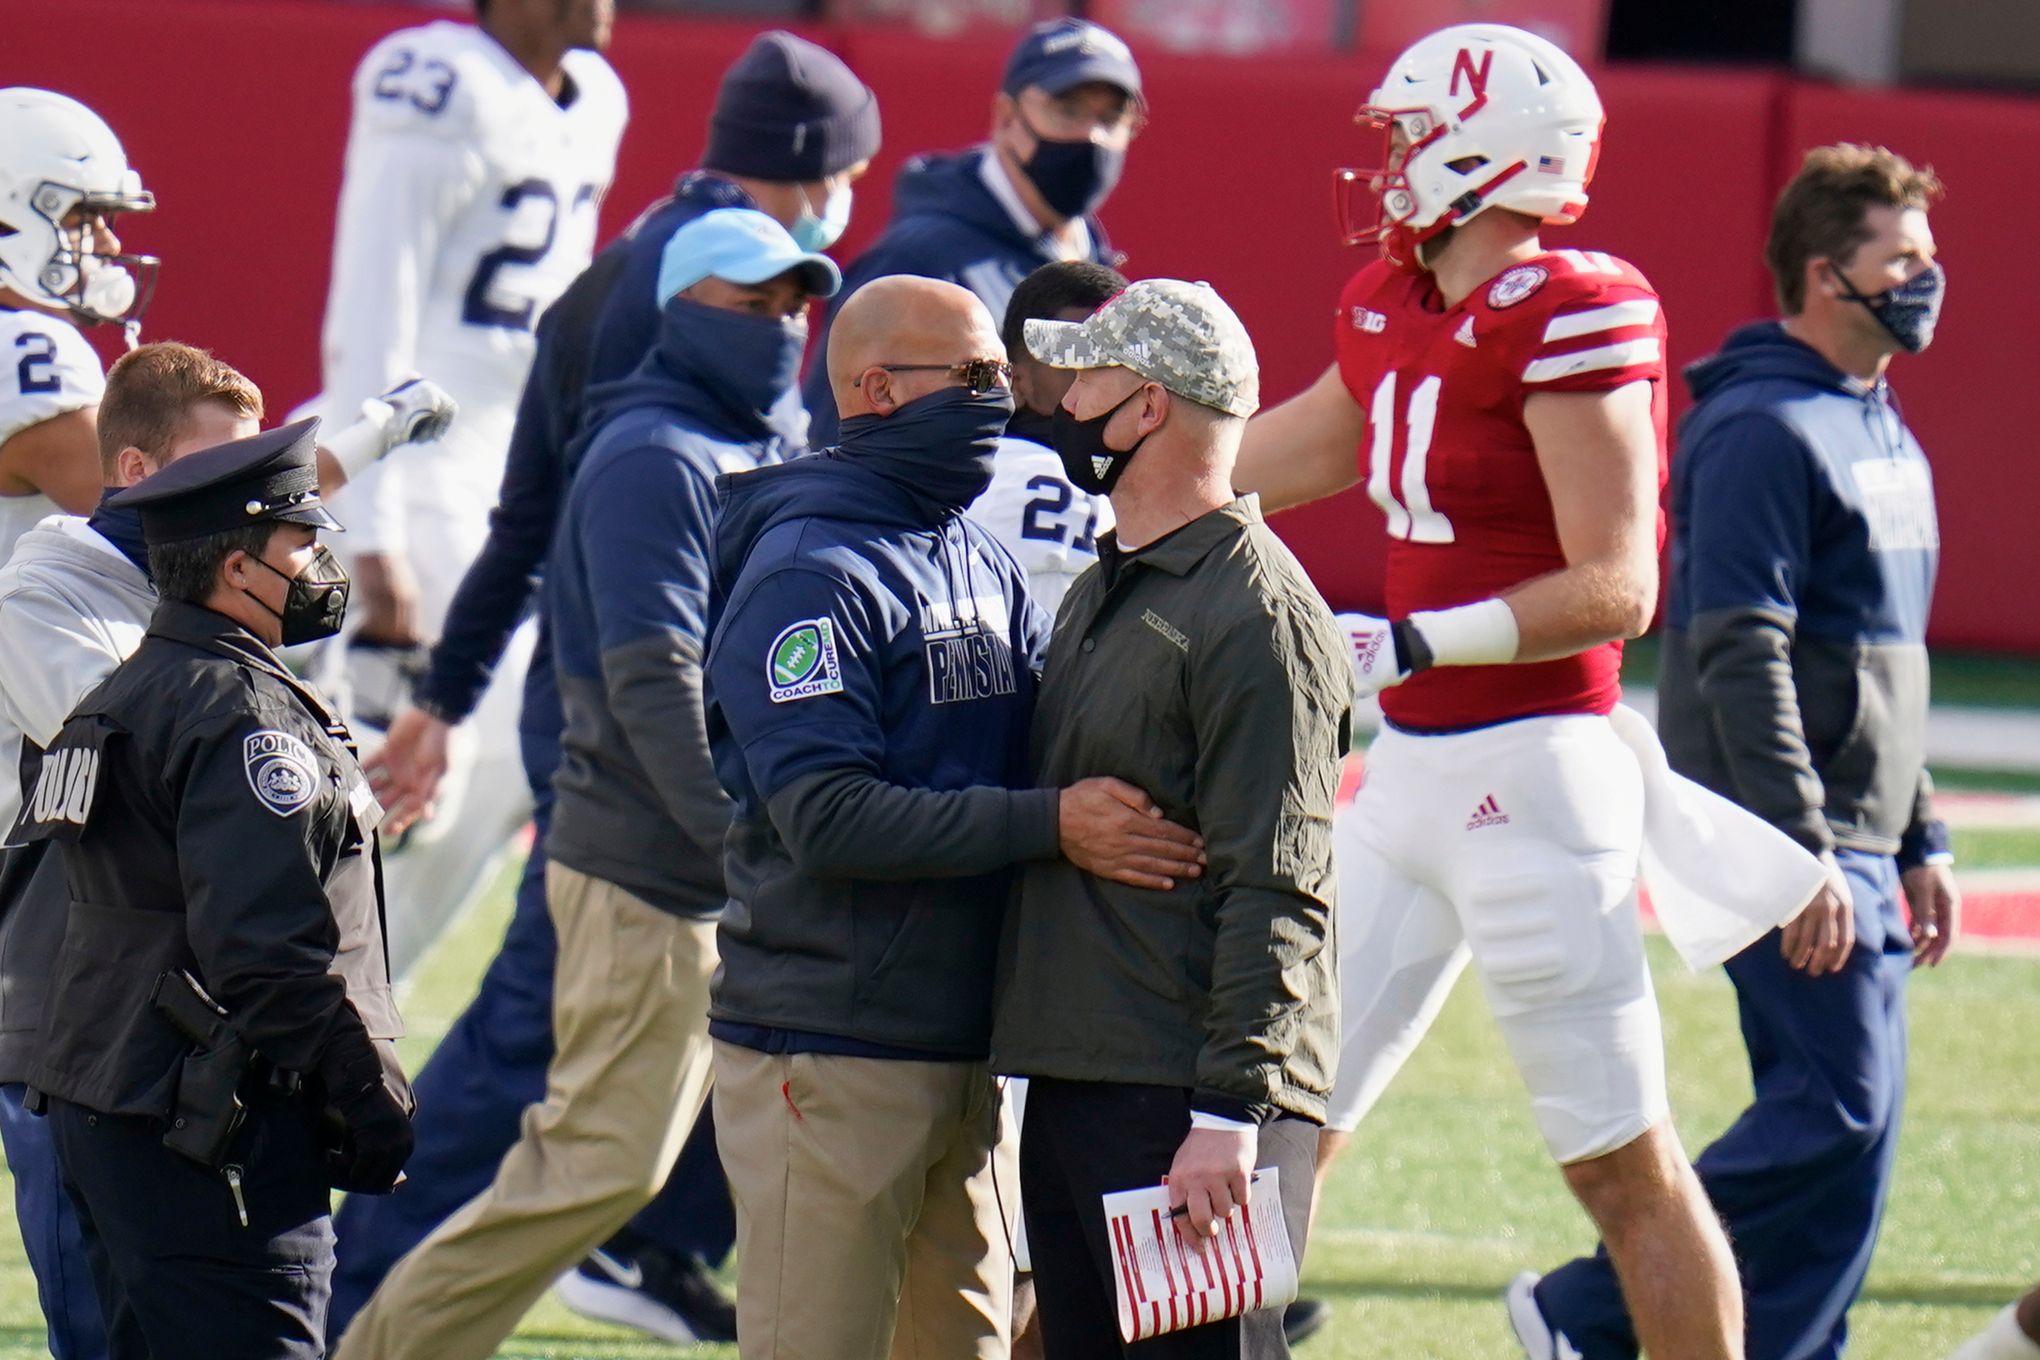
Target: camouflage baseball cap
[{"x": 1181, "y": 335}]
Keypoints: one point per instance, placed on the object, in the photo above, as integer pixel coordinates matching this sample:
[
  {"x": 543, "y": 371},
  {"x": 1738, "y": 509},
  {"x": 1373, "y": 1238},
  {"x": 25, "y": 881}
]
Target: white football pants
[{"x": 1515, "y": 846}]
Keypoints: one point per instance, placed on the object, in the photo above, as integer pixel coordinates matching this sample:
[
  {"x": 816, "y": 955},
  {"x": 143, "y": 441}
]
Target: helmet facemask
[{"x": 95, "y": 286}]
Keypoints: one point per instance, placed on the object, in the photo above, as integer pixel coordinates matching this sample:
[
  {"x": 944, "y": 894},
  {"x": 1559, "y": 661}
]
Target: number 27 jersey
[{"x": 1449, "y": 460}]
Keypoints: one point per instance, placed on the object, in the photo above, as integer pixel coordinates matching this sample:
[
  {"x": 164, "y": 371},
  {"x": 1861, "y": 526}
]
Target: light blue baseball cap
[{"x": 740, "y": 245}]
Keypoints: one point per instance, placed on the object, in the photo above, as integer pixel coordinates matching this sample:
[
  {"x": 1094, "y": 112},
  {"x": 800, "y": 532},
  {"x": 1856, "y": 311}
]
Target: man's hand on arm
[
  {"x": 1935, "y": 904},
  {"x": 1208, "y": 1178},
  {"x": 1110, "y": 828},
  {"x": 405, "y": 773}
]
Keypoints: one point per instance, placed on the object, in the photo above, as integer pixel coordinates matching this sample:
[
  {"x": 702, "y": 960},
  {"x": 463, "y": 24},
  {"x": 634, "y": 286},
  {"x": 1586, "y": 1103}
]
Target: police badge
[{"x": 281, "y": 769}]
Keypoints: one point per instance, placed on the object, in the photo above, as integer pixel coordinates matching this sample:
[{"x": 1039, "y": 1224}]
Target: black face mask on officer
[
  {"x": 1091, "y": 463},
  {"x": 316, "y": 601}
]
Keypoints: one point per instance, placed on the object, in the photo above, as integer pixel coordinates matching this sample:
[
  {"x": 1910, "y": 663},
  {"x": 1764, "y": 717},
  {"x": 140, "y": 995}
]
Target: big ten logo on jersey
[
  {"x": 1368, "y": 321},
  {"x": 64, "y": 788},
  {"x": 1898, "y": 504},
  {"x": 1053, "y": 515},
  {"x": 968, "y": 644},
  {"x": 539, "y": 217}
]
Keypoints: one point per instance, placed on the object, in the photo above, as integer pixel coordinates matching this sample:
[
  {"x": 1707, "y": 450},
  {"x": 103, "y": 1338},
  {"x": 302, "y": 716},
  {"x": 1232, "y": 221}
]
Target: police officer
[{"x": 217, "y": 1051}]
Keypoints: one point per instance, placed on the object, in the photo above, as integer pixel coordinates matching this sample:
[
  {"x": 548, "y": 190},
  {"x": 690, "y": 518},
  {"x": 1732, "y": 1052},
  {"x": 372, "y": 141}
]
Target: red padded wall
[{"x": 236, "y": 110}]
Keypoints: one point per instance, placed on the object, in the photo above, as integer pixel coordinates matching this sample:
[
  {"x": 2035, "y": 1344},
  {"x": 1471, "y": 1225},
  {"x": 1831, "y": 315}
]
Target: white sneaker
[{"x": 1533, "y": 1333}]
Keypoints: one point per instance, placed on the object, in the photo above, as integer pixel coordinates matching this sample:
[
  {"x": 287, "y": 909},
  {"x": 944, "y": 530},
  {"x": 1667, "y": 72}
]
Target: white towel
[{"x": 1720, "y": 877}]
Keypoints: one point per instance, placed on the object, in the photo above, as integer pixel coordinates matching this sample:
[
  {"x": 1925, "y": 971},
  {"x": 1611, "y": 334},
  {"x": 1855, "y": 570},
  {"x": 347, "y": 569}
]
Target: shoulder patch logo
[
  {"x": 1516, "y": 285},
  {"x": 802, "y": 661},
  {"x": 282, "y": 770},
  {"x": 1368, "y": 321}
]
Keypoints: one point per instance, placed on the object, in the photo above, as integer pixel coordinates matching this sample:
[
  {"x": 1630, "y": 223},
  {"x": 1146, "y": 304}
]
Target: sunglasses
[{"x": 979, "y": 375}]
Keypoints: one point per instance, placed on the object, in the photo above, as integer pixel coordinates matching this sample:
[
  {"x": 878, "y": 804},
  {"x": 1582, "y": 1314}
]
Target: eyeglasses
[{"x": 979, "y": 375}]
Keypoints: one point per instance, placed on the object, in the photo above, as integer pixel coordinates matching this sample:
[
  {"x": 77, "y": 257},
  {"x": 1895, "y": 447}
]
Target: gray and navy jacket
[
  {"x": 1804, "y": 547},
  {"x": 870, "y": 688},
  {"x": 636, "y": 799},
  {"x": 945, "y": 225}
]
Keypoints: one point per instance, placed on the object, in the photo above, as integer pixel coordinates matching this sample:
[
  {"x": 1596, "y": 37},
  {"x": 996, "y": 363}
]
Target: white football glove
[
  {"x": 413, "y": 411},
  {"x": 1377, "y": 662},
  {"x": 420, "y": 411}
]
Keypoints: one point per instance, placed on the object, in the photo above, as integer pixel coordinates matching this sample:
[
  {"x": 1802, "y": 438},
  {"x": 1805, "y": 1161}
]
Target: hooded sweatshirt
[
  {"x": 870, "y": 686},
  {"x": 946, "y": 225},
  {"x": 636, "y": 798},
  {"x": 1804, "y": 547}
]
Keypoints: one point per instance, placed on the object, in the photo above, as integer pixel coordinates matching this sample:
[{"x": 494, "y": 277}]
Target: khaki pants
[
  {"x": 875, "y": 1205},
  {"x": 629, "y": 1074}
]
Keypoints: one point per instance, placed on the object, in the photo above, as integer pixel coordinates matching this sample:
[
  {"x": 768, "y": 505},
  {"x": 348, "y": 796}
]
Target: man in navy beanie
[
  {"x": 1068, "y": 107},
  {"x": 792, "y": 129}
]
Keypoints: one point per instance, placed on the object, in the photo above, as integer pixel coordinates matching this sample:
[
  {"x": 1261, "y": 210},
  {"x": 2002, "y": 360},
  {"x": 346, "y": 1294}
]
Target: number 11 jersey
[{"x": 1448, "y": 459}]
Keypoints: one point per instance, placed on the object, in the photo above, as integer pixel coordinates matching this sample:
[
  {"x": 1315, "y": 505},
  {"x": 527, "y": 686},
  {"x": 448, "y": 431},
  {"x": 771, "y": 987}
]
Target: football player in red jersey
[{"x": 1507, "y": 403}]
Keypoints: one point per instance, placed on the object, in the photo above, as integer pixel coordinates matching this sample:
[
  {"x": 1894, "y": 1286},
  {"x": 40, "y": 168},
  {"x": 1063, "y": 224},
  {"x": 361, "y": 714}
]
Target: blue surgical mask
[
  {"x": 819, "y": 233},
  {"x": 1908, "y": 311}
]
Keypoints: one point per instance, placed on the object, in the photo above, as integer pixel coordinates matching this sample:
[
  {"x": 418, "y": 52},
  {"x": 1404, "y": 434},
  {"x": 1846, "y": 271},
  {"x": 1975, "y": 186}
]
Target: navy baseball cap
[
  {"x": 270, "y": 476},
  {"x": 1064, "y": 53}
]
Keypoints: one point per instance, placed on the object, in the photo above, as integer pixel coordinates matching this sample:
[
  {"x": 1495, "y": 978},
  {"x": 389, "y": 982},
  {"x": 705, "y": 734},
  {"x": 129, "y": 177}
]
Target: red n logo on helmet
[{"x": 1476, "y": 78}]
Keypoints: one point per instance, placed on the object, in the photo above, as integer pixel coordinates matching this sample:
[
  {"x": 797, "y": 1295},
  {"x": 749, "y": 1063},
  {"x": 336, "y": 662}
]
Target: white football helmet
[
  {"x": 61, "y": 169},
  {"x": 1474, "y": 116}
]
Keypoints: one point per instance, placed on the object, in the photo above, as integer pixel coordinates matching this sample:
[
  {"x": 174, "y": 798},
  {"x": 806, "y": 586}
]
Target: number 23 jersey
[
  {"x": 469, "y": 204},
  {"x": 1448, "y": 458}
]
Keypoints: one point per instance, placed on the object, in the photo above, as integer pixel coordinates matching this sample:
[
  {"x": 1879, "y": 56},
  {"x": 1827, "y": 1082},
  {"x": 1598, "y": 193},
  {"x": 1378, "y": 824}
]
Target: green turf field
[{"x": 1446, "y": 1193}]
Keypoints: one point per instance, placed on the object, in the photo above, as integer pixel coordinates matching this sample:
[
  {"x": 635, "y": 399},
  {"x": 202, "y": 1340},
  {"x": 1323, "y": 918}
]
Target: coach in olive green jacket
[{"x": 1203, "y": 668}]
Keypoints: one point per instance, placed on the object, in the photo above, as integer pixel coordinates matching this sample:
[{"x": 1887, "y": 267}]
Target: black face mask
[
  {"x": 1074, "y": 178},
  {"x": 316, "y": 601},
  {"x": 1092, "y": 465},
  {"x": 1908, "y": 311}
]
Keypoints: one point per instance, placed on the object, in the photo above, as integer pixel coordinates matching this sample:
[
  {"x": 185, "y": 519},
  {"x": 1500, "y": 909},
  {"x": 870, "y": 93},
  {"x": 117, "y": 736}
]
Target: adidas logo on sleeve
[{"x": 1488, "y": 813}]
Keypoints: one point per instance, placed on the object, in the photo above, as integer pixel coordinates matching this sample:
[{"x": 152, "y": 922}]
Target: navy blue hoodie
[
  {"x": 636, "y": 798},
  {"x": 945, "y": 225},
  {"x": 871, "y": 681},
  {"x": 1804, "y": 547}
]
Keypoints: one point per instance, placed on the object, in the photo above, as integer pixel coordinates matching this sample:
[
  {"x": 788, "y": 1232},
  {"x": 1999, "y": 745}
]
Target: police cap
[{"x": 270, "y": 476}]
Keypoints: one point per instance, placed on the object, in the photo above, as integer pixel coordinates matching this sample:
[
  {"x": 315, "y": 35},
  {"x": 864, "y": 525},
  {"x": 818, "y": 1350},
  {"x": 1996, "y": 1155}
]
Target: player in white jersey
[
  {"x": 476, "y": 164},
  {"x": 1031, "y": 506},
  {"x": 63, "y": 177}
]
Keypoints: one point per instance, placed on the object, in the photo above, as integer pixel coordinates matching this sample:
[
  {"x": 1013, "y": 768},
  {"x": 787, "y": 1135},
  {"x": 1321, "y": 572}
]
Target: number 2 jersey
[
  {"x": 1448, "y": 459},
  {"x": 47, "y": 369},
  {"x": 469, "y": 204}
]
